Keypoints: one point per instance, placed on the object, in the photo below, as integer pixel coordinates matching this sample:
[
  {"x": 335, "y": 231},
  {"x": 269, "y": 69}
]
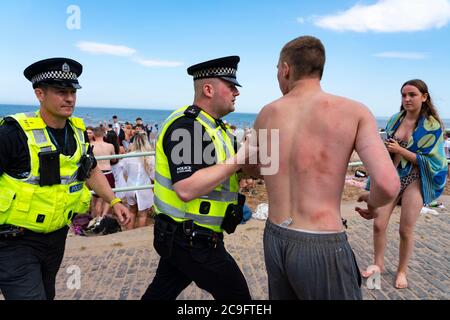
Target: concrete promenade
[{"x": 120, "y": 266}]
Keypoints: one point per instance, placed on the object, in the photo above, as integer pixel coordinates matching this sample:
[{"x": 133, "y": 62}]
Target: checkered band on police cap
[
  {"x": 215, "y": 72},
  {"x": 54, "y": 75}
]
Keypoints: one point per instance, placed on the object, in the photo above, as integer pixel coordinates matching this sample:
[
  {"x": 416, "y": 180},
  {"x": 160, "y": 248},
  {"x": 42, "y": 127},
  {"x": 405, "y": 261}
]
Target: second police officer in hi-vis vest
[
  {"x": 196, "y": 190},
  {"x": 45, "y": 163}
]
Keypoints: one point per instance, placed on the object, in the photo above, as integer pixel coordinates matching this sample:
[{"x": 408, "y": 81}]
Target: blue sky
[{"x": 135, "y": 53}]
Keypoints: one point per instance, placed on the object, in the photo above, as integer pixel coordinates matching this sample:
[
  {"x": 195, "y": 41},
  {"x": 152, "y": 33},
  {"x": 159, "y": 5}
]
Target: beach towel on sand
[{"x": 427, "y": 142}]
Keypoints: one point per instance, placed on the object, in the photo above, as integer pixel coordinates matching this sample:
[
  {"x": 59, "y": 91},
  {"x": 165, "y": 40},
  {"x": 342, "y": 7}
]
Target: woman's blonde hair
[{"x": 141, "y": 144}]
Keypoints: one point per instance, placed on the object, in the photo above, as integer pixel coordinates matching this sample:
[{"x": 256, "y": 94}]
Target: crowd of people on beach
[{"x": 114, "y": 138}]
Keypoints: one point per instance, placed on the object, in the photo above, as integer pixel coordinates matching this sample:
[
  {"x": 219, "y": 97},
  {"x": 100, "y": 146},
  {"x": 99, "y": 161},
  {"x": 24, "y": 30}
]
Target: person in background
[
  {"x": 144, "y": 126},
  {"x": 128, "y": 135},
  {"x": 416, "y": 145},
  {"x": 116, "y": 164},
  {"x": 117, "y": 129},
  {"x": 136, "y": 129},
  {"x": 102, "y": 148},
  {"x": 447, "y": 149},
  {"x": 140, "y": 171},
  {"x": 90, "y": 134},
  {"x": 115, "y": 125}
]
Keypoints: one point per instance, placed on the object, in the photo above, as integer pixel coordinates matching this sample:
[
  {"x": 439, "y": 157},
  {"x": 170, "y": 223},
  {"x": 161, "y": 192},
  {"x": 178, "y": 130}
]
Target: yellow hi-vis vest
[
  {"x": 24, "y": 203},
  {"x": 166, "y": 199}
]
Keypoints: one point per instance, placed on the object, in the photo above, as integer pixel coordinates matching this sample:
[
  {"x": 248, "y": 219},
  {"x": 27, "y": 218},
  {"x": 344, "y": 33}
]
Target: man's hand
[
  {"x": 370, "y": 212},
  {"x": 122, "y": 213}
]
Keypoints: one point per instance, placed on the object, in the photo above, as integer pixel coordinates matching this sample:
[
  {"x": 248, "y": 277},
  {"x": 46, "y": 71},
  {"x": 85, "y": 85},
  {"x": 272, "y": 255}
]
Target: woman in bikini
[{"x": 416, "y": 144}]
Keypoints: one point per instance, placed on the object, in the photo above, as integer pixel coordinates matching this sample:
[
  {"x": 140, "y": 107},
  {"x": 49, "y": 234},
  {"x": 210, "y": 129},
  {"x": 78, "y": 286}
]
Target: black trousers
[
  {"x": 29, "y": 264},
  {"x": 212, "y": 269}
]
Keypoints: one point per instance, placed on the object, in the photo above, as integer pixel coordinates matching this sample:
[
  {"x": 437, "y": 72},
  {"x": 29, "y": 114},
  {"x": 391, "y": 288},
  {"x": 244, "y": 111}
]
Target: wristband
[{"x": 115, "y": 201}]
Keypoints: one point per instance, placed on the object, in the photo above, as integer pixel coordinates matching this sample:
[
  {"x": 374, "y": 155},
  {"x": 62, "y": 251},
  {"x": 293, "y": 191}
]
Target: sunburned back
[
  {"x": 102, "y": 148},
  {"x": 317, "y": 137}
]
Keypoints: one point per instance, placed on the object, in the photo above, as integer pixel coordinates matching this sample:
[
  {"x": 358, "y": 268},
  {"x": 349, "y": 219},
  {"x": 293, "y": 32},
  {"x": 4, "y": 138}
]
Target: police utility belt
[
  {"x": 165, "y": 229},
  {"x": 10, "y": 232}
]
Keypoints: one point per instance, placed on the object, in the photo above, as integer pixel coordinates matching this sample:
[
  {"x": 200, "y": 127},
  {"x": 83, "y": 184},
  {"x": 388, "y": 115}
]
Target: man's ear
[
  {"x": 40, "y": 94},
  {"x": 208, "y": 90},
  {"x": 286, "y": 70}
]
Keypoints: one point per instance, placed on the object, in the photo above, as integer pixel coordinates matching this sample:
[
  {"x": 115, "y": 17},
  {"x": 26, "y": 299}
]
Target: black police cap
[
  {"x": 224, "y": 68},
  {"x": 55, "y": 72}
]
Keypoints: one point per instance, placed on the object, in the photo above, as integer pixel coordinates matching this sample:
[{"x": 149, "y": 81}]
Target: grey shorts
[{"x": 309, "y": 266}]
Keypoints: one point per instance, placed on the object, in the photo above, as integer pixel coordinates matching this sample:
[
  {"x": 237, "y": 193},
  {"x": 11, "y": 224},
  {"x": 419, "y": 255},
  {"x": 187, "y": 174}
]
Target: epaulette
[
  {"x": 78, "y": 123},
  {"x": 8, "y": 120},
  {"x": 192, "y": 112},
  {"x": 31, "y": 123}
]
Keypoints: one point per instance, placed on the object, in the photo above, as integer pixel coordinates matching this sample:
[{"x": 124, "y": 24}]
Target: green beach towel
[{"x": 427, "y": 142}]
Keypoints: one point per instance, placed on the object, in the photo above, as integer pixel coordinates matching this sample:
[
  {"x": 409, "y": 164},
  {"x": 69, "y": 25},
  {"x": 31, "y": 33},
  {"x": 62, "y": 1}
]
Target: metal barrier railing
[
  {"x": 126, "y": 155},
  {"x": 129, "y": 155},
  {"x": 152, "y": 153},
  {"x": 355, "y": 164}
]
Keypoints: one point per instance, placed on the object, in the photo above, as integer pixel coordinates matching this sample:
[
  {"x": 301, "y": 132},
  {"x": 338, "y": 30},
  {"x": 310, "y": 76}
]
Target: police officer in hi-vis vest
[
  {"x": 45, "y": 163},
  {"x": 196, "y": 190}
]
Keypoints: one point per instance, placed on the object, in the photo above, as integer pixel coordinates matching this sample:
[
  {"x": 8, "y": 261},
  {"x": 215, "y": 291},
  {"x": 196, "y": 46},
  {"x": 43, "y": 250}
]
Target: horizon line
[
  {"x": 111, "y": 107},
  {"x": 152, "y": 108}
]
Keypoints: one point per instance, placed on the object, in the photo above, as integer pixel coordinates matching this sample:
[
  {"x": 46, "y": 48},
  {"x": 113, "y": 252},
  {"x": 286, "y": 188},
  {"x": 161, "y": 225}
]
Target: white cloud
[
  {"x": 158, "y": 63},
  {"x": 300, "y": 20},
  {"x": 401, "y": 55},
  {"x": 103, "y": 48},
  {"x": 123, "y": 51},
  {"x": 390, "y": 16}
]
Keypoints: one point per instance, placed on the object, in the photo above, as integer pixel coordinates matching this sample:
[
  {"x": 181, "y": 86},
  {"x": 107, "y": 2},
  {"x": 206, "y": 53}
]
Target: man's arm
[
  {"x": 112, "y": 152},
  {"x": 384, "y": 183},
  {"x": 207, "y": 179},
  {"x": 100, "y": 185},
  {"x": 5, "y": 152},
  {"x": 192, "y": 179},
  {"x": 14, "y": 154}
]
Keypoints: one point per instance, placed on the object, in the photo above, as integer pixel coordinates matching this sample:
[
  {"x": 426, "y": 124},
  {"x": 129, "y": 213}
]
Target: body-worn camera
[
  {"x": 49, "y": 168},
  {"x": 86, "y": 163}
]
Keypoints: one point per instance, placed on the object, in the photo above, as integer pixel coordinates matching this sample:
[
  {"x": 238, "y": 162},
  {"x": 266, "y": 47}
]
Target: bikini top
[{"x": 402, "y": 143}]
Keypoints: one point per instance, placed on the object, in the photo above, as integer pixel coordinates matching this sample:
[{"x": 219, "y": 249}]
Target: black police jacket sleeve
[{"x": 185, "y": 169}]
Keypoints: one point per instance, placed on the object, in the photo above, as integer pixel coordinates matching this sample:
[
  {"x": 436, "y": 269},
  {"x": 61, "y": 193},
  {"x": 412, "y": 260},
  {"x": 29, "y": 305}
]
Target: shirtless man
[
  {"x": 102, "y": 148},
  {"x": 306, "y": 250}
]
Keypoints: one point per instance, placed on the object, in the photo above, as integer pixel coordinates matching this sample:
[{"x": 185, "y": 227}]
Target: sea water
[{"x": 93, "y": 116}]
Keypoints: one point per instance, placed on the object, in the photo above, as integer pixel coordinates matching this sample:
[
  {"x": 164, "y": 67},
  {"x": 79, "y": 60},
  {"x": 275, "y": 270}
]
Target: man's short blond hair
[
  {"x": 99, "y": 132},
  {"x": 306, "y": 56}
]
